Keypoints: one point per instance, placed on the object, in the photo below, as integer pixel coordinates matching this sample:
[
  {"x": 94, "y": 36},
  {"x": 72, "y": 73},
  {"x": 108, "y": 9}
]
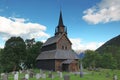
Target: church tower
[{"x": 60, "y": 29}]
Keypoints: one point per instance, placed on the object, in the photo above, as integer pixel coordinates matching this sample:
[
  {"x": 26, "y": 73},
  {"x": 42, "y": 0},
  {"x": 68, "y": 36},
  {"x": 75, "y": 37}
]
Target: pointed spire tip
[{"x": 60, "y": 19}]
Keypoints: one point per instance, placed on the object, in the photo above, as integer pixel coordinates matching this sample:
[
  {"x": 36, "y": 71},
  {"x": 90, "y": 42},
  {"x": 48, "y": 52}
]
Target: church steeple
[
  {"x": 60, "y": 20},
  {"x": 60, "y": 28}
]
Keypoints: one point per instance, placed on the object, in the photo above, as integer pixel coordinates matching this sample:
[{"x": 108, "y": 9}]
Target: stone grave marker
[
  {"x": 107, "y": 74},
  {"x": 24, "y": 71},
  {"x": 38, "y": 76},
  {"x": 2, "y": 74},
  {"x": 20, "y": 71},
  {"x": 13, "y": 72},
  {"x": 31, "y": 73},
  {"x": 53, "y": 76},
  {"x": 23, "y": 79},
  {"x": 41, "y": 72},
  {"x": 44, "y": 76},
  {"x": 60, "y": 75},
  {"x": 16, "y": 76},
  {"x": 50, "y": 75},
  {"x": 115, "y": 77},
  {"x": 81, "y": 74},
  {"x": 27, "y": 76},
  {"x": 66, "y": 77},
  {"x": 5, "y": 77}
]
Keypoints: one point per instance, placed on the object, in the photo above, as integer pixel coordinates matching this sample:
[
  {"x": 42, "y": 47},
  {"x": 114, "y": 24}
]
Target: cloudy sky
[{"x": 90, "y": 23}]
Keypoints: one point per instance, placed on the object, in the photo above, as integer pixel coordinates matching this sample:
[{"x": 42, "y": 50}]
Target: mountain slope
[{"x": 111, "y": 46}]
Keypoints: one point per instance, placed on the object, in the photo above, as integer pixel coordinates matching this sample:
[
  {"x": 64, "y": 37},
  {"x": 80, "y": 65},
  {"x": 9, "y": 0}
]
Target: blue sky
[{"x": 90, "y": 23}]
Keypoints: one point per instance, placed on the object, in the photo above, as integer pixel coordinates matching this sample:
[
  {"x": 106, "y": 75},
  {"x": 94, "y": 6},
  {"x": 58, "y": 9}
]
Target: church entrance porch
[
  {"x": 65, "y": 67},
  {"x": 70, "y": 65}
]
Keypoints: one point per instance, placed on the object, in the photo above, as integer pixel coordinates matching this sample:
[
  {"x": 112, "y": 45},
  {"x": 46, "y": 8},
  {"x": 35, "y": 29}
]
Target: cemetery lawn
[{"x": 103, "y": 74}]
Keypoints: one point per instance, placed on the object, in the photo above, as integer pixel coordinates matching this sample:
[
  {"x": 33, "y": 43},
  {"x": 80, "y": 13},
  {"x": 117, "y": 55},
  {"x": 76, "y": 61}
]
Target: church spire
[
  {"x": 60, "y": 20},
  {"x": 60, "y": 28}
]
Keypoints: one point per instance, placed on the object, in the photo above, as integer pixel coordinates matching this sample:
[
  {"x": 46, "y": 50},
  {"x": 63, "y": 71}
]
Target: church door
[{"x": 65, "y": 67}]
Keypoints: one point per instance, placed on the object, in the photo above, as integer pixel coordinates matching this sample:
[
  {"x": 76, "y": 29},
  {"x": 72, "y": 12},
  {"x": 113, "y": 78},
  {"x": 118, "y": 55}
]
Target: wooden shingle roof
[
  {"x": 69, "y": 61},
  {"x": 58, "y": 54},
  {"x": 54, "y": 39}
]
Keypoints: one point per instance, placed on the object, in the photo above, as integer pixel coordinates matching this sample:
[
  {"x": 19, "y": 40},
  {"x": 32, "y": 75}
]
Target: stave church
[{"x": 56, "y": 53}]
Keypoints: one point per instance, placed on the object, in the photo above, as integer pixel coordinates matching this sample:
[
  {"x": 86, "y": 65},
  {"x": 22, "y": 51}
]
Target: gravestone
[
  {"x": 23, "y": 79},
  {"x": 115, "y": 77},
  {"x": 28, "y": 71},
  {"x": 27, "y": 76},
  {"x": 43, "y": 76},
  {"x": 75, "y": 74},
  {"x": 38, "y": 76},
  {"x": 60, "y": 75},
  {"x": 31, "y": 73},
  {"x": 41, "y": 72},
  {"x": 50, "y": 75},
  {"x": 2, "y": 74},
  {"x": 81, "y": 74},
  {"x": 53, "y": 76},
  {"x": 16, "y": 76},
  {"x": 5, "y": 77},
  {"x": 24, "y": 71},
  {"x": 20, "y": 71},
  {"x": 13, "y": 72},
  {"x": 107, "y": 74},
  {"x": 66, "y": 77}
]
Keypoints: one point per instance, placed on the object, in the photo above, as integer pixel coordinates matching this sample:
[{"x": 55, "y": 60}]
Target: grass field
[{"x": 103, "y": 74}]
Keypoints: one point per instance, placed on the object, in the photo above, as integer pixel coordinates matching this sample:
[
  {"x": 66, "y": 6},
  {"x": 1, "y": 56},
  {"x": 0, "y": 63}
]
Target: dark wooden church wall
[
  {"x": 58, "y": 64},
  {"x": 46, "y": 64},
  {"x": 49, "y": 47}
]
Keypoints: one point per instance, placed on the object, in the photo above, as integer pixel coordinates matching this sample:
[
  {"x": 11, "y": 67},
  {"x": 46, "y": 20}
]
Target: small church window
[
  {"x": 62, "y": 47},
  {"x": 66, "y": 48}
]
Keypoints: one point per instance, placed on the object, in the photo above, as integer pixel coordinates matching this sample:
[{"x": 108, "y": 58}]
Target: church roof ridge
[{"x": 54, "y": 39}]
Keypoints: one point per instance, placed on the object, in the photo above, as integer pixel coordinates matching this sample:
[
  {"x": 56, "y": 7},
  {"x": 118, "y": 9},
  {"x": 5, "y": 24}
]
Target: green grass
[{"x": 90, "y": 75}]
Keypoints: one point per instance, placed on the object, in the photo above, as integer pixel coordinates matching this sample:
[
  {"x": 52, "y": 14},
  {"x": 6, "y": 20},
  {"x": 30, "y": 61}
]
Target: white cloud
[
  {"x": 1, "y": 46},
  {"x": 76, "y": 44},
  {"x": 19, "y": 27},
  {"x": 105, "y": 11},
  {"x": 79, "y": 45}
]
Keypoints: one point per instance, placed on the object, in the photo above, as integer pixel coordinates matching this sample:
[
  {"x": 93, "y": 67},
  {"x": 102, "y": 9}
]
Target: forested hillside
[{"x": 111, "y": 47}]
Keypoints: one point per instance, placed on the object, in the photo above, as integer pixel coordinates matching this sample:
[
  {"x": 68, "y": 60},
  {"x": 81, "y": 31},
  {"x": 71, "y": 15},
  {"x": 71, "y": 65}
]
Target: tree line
[
  {"x": 19, "y": 54},
  {"x": 93, "y": 60}
]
